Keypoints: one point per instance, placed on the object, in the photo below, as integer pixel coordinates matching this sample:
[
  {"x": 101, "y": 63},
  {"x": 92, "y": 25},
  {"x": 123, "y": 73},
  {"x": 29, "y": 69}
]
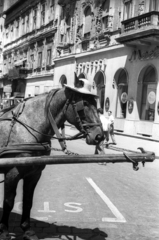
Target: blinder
[{"x": 80, "y": 116}]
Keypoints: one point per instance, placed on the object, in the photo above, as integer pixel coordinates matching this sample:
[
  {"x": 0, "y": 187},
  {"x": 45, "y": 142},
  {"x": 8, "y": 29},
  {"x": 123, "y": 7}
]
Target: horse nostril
[{"x": 99, "y": 137}]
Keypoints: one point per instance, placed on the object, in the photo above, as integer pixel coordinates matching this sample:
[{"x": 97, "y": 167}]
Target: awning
[{"x": 20, "y": 62}]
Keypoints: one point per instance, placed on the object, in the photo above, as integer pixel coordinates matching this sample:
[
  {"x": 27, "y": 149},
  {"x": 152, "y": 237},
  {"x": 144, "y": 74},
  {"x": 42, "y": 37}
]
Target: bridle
[{"x": 79, "y": 113}]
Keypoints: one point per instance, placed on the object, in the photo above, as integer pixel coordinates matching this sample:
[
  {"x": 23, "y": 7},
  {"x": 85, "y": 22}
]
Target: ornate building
[{"x": 114, "y": 44}]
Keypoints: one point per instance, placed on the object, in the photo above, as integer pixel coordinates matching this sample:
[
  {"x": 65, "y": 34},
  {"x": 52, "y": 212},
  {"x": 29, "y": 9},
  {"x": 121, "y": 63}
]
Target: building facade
[{"x": 114, "y": 44}]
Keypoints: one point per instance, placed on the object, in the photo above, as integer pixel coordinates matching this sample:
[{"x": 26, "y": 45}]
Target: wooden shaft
[{"x": 75, "y": 159}]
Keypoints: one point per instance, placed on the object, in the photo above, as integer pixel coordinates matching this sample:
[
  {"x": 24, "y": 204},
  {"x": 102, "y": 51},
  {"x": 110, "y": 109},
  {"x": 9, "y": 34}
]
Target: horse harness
[{"x": 78, "y": 108}]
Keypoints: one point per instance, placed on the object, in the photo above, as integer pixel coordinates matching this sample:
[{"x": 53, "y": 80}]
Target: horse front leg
[
  {"x": 29, "y": 185},
  {"x": 12, "y": 178}
]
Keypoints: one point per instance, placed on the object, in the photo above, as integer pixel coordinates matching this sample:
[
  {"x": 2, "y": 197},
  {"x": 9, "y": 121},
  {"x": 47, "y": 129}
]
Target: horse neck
[{"x": 57, "y": 106}]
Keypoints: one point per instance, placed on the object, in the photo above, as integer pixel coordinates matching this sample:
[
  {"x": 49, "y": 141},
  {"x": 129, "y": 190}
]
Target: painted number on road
[{"x": 118, "y": 216}]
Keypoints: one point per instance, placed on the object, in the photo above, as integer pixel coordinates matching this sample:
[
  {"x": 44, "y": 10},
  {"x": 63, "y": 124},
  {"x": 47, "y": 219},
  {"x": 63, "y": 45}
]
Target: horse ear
[{"x": 76, "y": 80}]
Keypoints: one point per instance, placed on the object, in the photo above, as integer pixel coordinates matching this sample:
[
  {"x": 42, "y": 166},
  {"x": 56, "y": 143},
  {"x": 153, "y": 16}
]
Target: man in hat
[{"x": 105, "y": 124}]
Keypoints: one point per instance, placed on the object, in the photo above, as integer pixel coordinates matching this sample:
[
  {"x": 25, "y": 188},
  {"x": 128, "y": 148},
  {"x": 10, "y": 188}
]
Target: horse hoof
[{"x": 29, "y": 235}]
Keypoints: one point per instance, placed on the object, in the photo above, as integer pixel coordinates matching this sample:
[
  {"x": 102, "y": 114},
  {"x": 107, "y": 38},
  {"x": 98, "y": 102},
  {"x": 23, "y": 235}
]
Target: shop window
[
  {"x": 99, "y": 88},
  {"x": 148, "y": 96},
  {"x": 122, "y": 86},
  {"x": 127, "y": 9}
]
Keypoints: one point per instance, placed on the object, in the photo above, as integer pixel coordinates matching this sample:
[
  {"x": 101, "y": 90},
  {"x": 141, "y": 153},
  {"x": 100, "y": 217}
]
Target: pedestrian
[
  {"x": 105, "y": 125},
  {"x": 111, "y": 127}
]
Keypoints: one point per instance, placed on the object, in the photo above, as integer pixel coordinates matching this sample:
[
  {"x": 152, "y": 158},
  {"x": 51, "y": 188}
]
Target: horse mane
[{"x": 49, "y": 98}]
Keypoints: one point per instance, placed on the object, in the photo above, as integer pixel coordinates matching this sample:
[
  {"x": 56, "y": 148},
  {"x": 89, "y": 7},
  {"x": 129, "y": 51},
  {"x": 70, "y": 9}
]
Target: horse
[{"x": 26, "y": 130}]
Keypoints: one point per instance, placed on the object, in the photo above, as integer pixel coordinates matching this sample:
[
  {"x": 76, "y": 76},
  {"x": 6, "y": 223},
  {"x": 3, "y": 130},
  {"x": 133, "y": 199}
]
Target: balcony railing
[{"x": 141, "y": 22}]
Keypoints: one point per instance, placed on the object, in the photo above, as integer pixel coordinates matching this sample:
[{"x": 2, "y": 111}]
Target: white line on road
[{"x": 114, "y": 210}]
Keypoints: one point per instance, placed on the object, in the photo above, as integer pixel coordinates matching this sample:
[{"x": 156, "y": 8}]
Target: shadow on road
[{"x": 45, "y": 230}]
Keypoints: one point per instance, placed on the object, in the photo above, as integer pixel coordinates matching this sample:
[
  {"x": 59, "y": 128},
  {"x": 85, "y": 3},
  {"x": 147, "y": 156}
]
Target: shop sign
[
  {"x": 139, "y": 55},
  {"x": 130, "y": 105},
  {"x": 151, "y": 97},
  {"x": 124, "y": 97},
  {"x": 107, "y": 104}
]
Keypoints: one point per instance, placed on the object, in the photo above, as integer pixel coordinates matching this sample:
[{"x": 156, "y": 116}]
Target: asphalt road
[{"x": 122, "y": 203}]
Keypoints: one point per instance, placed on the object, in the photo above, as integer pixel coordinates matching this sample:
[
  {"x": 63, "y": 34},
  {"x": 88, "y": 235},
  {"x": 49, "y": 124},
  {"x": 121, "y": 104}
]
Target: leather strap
[{"x": 56, "y": 130}]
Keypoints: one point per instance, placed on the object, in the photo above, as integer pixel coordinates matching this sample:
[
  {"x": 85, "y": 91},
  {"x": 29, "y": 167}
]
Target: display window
[{"x": 148, "y": 87}]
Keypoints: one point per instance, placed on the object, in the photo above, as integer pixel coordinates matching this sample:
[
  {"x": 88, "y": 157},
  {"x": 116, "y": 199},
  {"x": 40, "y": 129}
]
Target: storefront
[
  {"x": 126, "y": 83},
  {"x": 133, "y": 91}
]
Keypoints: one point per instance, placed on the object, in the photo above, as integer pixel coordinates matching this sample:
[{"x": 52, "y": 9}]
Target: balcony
[{"x": 140, "y": 30}]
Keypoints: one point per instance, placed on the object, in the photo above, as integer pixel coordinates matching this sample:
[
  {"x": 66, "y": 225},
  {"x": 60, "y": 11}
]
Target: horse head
[{"x": 82, "y": 111}]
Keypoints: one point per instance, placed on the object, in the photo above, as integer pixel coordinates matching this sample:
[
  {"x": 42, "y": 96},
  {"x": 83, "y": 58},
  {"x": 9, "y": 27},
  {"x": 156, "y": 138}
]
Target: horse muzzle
[{"x": 94, "y": 137}]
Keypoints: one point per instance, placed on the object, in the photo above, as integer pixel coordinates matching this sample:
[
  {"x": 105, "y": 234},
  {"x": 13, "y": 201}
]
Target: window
[
  {"x": 88, "y": 20},
  {"x": 105, "y": 23},
  {"x": 61, "y": 38},
  {"x": 46, "y": 89},
  {"x": 27, "y": 23},
  {"x": 6, "y": 35},
  {"x": 127, "y": 9},
  {"x": 39, "y": 59},
  {"x": 52, "y": 2},
  {"x": 23, "y": 25},
  {"x": 43, "y": 14},
  {"x": 68, "y": 23},
  {"x": 49, "y": 57},
  {"x": 37, "y": 90},
  {"x": 32, "y": 61},
  {"x": 122, "y": 96},
  {"x": 34, "y": 18},
  {"x": 148, "y": 95},
  {"x": 154, "y": 5},
  {"x": 17, "y": 28}
]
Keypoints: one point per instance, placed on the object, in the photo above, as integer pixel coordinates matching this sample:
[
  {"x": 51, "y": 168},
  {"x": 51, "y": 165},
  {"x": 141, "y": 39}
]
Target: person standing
[
  {"x": 111, "y": 129},
  {"x": 105, "y": 125}
]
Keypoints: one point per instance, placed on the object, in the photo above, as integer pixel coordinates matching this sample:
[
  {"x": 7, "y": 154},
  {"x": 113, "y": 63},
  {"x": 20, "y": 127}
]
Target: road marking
[
  {"x": 77, "y": 209},
  {"x": 46, "y": 208},
  {"x": 114, "y": 210}
]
